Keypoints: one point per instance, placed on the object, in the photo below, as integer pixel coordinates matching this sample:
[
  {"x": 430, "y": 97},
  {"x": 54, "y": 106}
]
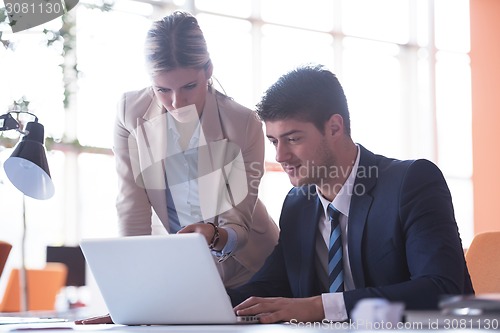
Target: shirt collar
[
  {"x": 342, "y": 201},
  {"x": 172, "y": 129}
]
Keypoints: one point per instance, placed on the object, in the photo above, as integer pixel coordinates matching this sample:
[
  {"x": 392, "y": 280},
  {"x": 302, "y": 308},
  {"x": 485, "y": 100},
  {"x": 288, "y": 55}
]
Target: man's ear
[{"x": 334, "y": 125}]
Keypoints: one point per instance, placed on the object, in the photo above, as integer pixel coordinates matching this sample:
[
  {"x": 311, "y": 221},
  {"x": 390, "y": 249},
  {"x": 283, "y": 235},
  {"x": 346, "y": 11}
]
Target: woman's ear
[
  {"x": 334, "y": 125},
  {"x": 209, "y": 70}
]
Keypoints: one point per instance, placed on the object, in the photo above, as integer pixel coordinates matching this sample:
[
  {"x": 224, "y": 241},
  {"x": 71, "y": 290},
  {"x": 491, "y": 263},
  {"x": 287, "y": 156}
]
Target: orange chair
[
  {"x": 483, "y": 262},
  {"x": 4, "y": 254},
  {"x": 43, "y": 286}
]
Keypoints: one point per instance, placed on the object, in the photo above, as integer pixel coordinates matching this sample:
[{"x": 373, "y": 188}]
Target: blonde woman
[{"x": 191, "y": 157}]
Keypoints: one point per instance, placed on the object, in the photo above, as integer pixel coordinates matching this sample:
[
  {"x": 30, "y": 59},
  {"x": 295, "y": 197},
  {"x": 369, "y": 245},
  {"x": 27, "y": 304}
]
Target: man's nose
[{"x": 282, "y": 153}]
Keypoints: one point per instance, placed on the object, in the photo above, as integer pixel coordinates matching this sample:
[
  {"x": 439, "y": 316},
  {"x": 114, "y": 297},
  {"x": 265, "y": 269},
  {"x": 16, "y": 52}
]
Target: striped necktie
[{"x": 335, "y": 265}]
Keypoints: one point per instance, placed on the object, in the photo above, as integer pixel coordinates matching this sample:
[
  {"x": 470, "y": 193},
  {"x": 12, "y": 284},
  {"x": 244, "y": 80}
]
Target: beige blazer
[{"x": 231, "y": 164}]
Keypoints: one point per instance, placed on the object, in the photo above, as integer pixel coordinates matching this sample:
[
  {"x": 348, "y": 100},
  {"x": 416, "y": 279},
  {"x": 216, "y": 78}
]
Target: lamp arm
[
  {"x": 7, "y": 122},
  {"x": 27, "y": 112}
]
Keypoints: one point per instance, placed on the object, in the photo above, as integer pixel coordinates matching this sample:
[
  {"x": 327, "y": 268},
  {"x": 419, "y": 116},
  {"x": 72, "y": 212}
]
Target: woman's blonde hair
[{"x": 176, "y": 41}]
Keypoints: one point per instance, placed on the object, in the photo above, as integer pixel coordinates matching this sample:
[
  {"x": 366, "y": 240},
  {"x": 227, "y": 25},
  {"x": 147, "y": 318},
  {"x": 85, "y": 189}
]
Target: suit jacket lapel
[
  {"x": 151, "y": 141},
  {"x": 151, "y": 136},
  {"x": 153, "y": 132},
  {"x": 307, "y": 284},
  {"x": 211, "y": 120},
  {"x": 358, "y": 213},
  {"x": 211, "y": 159}
]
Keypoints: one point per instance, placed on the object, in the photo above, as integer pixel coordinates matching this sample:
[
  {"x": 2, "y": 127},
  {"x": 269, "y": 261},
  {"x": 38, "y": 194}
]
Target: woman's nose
[{"x": 177, "y": 100}]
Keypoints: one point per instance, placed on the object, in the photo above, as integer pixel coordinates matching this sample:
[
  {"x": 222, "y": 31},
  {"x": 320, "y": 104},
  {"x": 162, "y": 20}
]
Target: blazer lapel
[
  {"x": 358, "y": 213},
  {"x": 151, "y": 139},
  {"x": 211, "y": 160},
  {"x": 308, "y": 227},
  {"x": 211, "y": 119},
  {"x": 151, "y": 144}
]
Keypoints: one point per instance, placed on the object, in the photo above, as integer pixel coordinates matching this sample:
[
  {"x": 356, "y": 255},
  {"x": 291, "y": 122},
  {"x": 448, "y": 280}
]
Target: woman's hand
[{"x": 208, "y": 231}]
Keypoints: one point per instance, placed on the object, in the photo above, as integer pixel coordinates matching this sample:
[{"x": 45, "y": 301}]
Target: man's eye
[
  {"x": 293, "y": 139},
  {"x": 191, "y": 86},
  {"x": 162, "y": 90},
  {"x": 274, "y": 142}
]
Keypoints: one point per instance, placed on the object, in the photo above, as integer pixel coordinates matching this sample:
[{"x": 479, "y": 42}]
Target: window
[{"x": 404, "y": 65}]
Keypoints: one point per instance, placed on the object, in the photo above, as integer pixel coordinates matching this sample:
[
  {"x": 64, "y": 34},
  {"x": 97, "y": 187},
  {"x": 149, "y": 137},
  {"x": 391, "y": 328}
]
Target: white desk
[
  {"x": 419, "y": 322},
  {"x": 255, "y": 328},
  {"x": 69, "y": 327}
]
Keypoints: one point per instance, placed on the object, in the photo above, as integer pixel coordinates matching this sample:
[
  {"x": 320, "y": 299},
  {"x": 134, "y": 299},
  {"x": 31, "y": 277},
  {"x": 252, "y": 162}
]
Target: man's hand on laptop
[
  {"x": 104, "y": 319},
  {"x": 272, "y": 310}
]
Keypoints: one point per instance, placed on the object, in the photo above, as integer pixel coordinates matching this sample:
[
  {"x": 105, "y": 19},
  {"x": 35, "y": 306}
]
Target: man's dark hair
[{"x": 308, "y": 93}]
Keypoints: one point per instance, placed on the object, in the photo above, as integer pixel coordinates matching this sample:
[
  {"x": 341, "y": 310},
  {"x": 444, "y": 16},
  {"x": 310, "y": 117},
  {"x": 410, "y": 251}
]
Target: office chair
[
  {"x": 43, "y": 286},
  {"x": 483, "y": 262},
  {"x": 4, "y": 254}
]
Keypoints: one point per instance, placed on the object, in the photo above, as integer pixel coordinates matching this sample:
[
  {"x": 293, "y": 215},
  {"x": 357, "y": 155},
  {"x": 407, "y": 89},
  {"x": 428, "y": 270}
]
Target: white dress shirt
[{"x": 186, "y": 195}]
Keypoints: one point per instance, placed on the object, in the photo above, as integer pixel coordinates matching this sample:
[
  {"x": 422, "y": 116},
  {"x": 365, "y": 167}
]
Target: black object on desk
[{"x": 73, "y": 258}]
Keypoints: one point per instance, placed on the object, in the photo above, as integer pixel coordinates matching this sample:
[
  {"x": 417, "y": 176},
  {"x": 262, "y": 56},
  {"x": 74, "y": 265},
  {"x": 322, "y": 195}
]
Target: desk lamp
[
  {"x": 27, "y": 167},
  {"x": 28, "y": 170}
]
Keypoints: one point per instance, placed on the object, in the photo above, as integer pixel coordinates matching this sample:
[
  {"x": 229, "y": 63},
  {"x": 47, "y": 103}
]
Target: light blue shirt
[{"x": 182, "y": 171}]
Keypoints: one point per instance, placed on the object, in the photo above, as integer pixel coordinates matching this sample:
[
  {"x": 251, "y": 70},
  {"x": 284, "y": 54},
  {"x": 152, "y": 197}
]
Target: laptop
[{"x": 160, "y": 280}]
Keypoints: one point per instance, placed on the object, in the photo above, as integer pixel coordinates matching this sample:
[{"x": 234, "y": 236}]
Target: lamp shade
[{"x": 27, "y": 167}]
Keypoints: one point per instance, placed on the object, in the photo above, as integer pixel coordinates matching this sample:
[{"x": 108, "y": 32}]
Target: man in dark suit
[{"x": 356, "y": 225}]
